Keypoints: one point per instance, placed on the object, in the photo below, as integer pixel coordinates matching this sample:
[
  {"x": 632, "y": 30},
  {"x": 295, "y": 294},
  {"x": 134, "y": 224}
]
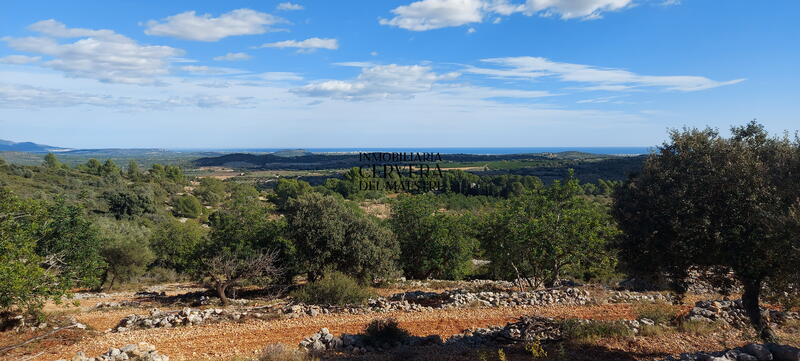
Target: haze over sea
[{"x": 455, "y": 150}]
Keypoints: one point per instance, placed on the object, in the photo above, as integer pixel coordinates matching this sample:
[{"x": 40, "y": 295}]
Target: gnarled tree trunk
[{"x": 750, "y": 301}]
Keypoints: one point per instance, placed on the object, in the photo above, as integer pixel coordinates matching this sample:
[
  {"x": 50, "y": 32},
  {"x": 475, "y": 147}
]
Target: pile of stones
[
  {"x": 563, "y": 296},
  {"x": 527, "y": 328},
  {"x": 141, "y": 352},
  {"x": 419, "y": 301},
  {"x": 125, "y": 303},
  {"x": 629, "y": 297},
  {"x": 186, "y": 316},
  {"x": 359, "y": 344},
  {"x": 733, "y": 313},
  {"x": 750, "y": 352}
]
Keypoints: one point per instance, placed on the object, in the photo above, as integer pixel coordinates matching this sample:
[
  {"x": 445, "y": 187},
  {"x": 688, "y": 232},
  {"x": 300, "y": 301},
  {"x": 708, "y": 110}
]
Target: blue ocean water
[{"x": 460, "y": 150}]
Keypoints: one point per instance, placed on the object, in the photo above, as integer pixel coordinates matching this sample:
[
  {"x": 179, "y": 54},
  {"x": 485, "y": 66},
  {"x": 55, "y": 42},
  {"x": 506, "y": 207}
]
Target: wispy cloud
[
  {"x": 598, "y": 78},
  {"x": 19, "y": 59},
  {"x": 233, "y": 57},
  {"x": 98, "y": 54},
  {"x": 434, "y": 14},
  {"x": 25, "y": 97},
  {"x": 378, "y": 82},
  {"x": 189, "y": 26},
  {"x": 288, "y": 6},
  {"x": 309, "y": 44}
]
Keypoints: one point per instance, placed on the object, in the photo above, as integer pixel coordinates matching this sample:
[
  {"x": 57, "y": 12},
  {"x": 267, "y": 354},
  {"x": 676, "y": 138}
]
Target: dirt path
[{"x": 228, "y": 339}]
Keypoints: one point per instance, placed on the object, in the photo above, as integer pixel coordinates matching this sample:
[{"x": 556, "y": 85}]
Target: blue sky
[{"x": 429, "y": 73}]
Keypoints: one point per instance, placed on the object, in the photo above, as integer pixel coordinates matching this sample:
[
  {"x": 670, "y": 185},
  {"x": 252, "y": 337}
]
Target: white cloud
[
  {"x": 434, "y": 14},
  {"x": 209, "y": 70},
  {"x": 19, "y": 59},
  {"x": 599, "y": 78},
  {"x": 99, "y": 54},
  {"x": 289, "y": 6},
  {"x": 57, "y": 29},
  {"x": 189, "y": 26},
  {"x": 233, "y": 57},
  {"x": 376, "y": 82},
  {"x": 25, "y": 97},
  {"x": 307, "y": 45},
  {"x": 571, "y": 9}
]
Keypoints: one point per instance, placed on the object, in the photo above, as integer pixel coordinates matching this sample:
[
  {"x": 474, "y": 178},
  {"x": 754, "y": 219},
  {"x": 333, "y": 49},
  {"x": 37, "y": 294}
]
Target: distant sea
[{"x": 453, "y": 150}]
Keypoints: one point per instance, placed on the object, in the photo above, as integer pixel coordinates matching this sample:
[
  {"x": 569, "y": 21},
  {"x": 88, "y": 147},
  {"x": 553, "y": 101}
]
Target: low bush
[
  {"x": 658, "y": 312},
  {"x": 577, "y": 330},
  {"x": 281, "y": 352},
  {"x": 334, "y": 288},
  {"x": 384, "y": 331}
]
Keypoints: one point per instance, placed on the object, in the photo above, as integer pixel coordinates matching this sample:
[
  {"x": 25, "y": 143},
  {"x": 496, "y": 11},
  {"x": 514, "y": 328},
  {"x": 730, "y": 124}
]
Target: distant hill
[
  {"x": 29, "y": 147},
  {"x": 292, "y": 153}
]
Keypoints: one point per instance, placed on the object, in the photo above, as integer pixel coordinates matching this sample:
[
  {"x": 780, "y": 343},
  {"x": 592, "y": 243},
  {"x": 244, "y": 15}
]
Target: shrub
[
  {"x": 176, "y": 244},
  {"x": 188, "y": 206},
  {"x": 281, "y": 352},
  {"x": 577, "y": 330},
  {"x": 334, "y": 234},
  {"x": 432, "y": 244},
  {"x": 658, "y": 312},
  {"x": 384, "y": 331},
  {"x": 126, "y": 251},
  {"x": 334, "y": 288}
]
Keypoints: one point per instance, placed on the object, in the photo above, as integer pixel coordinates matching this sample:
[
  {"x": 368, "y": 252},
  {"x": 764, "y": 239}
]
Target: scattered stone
[{"x": 141, "y": 352}]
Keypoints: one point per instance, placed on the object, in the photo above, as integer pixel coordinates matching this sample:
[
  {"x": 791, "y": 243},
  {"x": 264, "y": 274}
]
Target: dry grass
[
  {"x": 658, "y": 312},
  {"x": 281, "y": 352},
  {"x": 698, "y": 328}
]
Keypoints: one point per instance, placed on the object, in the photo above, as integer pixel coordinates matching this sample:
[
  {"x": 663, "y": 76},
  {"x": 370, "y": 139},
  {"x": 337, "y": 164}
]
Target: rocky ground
[{"x": 448, "y": 321}]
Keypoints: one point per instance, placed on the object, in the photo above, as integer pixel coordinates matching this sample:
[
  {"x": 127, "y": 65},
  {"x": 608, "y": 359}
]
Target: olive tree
[
  {"x": 432, "y": 243},
  {"x": 27, "y": 279},
  {"x": 332, "y": 234},
  {"x": 718, "y": 204},
  {"x": 544, "y": 234}
]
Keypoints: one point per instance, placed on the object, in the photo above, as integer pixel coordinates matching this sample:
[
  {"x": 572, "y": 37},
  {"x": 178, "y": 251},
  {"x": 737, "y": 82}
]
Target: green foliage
[
  {"x": 134, "y": 173},
  {"x": 329, "y": 233},
  {"x": 51, "y": 161},
  {"x": 287, "y": 189},
  {"x": 334, "y": 288},
  {"x": 125, "y": 203},
  {"x": 246, "y": 225},
  {"x": 549, "y": 233},
  {"x": 26, "y": 280},
  {"x": 535, "y": 349},
  {"x": 718, "y": 204},
  {"x": 177, "y": 244},
  {"x": 432, "y": 244},
  {"x": 187, "y": 206},
  {"x": 67, "y": 233},
  {"x": 211, "y": 191},
  {"x": 384, "y": 331},
  {"x": 579, "y": 330},
  {"x": 126, "y": 251}
]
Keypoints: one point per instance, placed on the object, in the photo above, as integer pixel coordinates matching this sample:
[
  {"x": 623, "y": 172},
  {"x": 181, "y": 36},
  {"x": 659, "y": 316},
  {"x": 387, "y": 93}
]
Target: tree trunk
[
  {"x": 103, "y": 280},
  {"x": 113, "y": 278},
  {"x": 750, "y": 302},
  {"x": 221, "y": 293}
]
